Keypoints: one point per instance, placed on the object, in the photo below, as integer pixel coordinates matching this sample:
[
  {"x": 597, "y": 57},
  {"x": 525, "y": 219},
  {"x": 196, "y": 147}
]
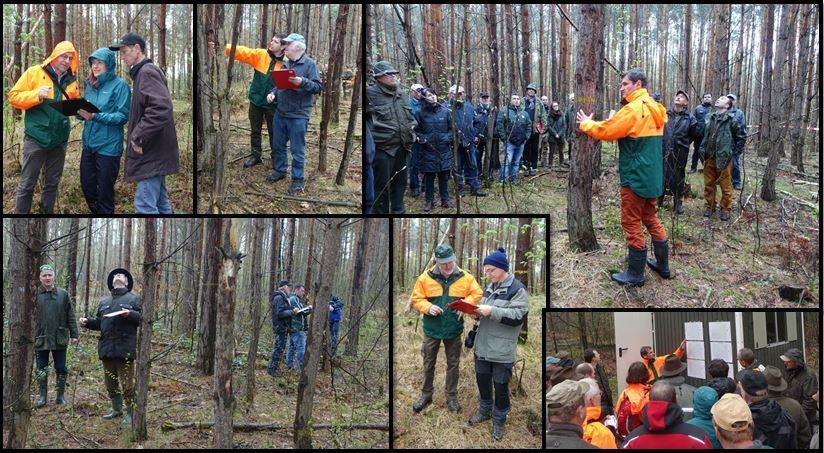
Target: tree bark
[
  {"x": 589, "y": 69},
  {"x": 357, "y": 292},
  {"x": 144, "y": 339},
  {"x": 306, "y": 386},
  {"x": 332, "y": 84},
  {"x": 208, "y": 310},
  {"x": 525, "y": 44},
  {"x": 353, "y": 116},
  {"x": 256, "y": 247},
  {"x": 229, "y": 257},
  {"x": 161, "y": 36},
  {"x": 28, "y": 236}
]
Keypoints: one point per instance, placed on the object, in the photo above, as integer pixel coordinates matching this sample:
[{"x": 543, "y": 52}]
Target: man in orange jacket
[
  {"x": 639, "y": 128},
  {"x": 654, "y": 363},
  {"x": 46, "y": 129}
]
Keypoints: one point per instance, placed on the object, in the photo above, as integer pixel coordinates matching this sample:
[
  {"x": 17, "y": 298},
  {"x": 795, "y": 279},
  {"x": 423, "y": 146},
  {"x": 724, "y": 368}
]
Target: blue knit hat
[{"x": 498, "y": 259}]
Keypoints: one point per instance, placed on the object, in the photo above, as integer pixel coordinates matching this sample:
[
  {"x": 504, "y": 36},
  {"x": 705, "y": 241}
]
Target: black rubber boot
[
  {"x": 117, "y": 408},
  {"x": 479, "y": 417},
  {"x": 634, "y": 275},
  {"x": 252, "y": 161},
  {"x": 43, "y": 380},
  {"x": 679, "y": 206},
  {"x": 660, "y": 263},
  {"x": 61, "y": 388},
  {"x": 497, "y": 432}
]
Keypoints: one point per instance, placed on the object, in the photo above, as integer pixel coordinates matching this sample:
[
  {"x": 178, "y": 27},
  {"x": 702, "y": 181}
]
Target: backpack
[{"x": 627, "y": 421}]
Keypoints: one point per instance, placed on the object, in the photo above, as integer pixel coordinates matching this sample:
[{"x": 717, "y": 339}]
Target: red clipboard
[
  {"x": 463, "y": 306},
  {"x": 281, "y": 78}
]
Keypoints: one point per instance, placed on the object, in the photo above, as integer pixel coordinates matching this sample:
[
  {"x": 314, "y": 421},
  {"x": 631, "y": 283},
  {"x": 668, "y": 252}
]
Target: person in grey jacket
[
  {"x": 501, "y": 312},
  {"x": 292, "y": 115},
  {"x": 673, "y": 372}
]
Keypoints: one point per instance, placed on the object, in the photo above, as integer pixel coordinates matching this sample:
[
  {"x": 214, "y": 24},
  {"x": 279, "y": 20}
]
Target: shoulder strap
[{"x": 56, "y": 82}]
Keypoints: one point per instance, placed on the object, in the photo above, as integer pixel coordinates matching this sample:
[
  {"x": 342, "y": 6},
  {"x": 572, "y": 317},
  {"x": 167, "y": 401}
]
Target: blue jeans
[
  {"x": 277, "y": 353},
  {"x": 736, "y": 170},
  {"x": 509, "y": 168},
  {"x": 292, "y": 130},
  {"x": 414, "y": 172},
  {"x": 97, "y": 176},
  {"x": 59, "y": 356},
  {"x": 151, "y": 197},
  {"x": 297, "y": 344},
  {"x": 334, "y": 331},
  {"x": 468, "y": 168}
]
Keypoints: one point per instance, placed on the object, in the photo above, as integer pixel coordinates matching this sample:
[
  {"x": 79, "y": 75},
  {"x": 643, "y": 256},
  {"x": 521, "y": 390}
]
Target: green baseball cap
[
  {"x": 46, "y": 267},
  {"x": 444, "y": 254},
  {"x": 384, "y": 67}
]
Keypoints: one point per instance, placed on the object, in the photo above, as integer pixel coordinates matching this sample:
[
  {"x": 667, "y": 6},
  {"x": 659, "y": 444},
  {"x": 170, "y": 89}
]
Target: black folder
[{"x": 71, "y": 106}]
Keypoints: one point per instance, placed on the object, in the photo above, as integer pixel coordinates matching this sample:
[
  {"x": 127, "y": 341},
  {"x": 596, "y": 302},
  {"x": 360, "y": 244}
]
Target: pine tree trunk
[
  {"x": 229, "y": 257},
  {"x": 144, "y": 339},
  {"x": 208, "y": 310}
]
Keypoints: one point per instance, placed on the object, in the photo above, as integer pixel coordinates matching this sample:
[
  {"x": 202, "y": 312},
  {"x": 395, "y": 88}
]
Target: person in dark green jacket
[
  {"x": 556, "y": 133},
  {"x": 103, "y": 131},
  {"x": 56, "y": 327},
  {"x": 717, "y": 148}
]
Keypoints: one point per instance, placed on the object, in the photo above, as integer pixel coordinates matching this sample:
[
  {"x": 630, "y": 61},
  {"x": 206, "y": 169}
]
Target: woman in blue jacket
[
  {"x": 103, "y": 131},
  {"x": 434, "y": 134}
]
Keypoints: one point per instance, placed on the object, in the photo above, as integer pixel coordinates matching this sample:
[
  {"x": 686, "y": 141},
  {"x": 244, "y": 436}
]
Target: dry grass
[
  {"x": 247, "y": 190},
  {"x": 171, "y": 400},
  {"x": 717, "y": 264},
  {"x": 436, "y": 426},
  {"x": 70, "y": 198}
]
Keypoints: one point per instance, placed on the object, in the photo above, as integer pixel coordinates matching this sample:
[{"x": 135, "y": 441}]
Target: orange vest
[
  {"x": 638, "y": 395},
  {"x": 595, "y": 433}
]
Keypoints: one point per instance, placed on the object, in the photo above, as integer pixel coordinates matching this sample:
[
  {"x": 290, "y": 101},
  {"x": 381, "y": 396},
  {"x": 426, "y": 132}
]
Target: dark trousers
[
  {"x": 467, "y": 168},
  {"x": 736, "y": 169},
  {"x": 429, "y": 351},
  {"x": 414, "y": 173},
  {"x": 531, "y": 151},
  {"x": 59, "y": 356},
  {"x": 390, "y": 180},
  {"x": 36, "y": 158},
  {"x": 489, "y": 376},
  {"x": 257, "y": 116},
  {"x": 443, "y": 185},
  {"x": 675, "y": 163},
  {"x": 277, "y": 352},
  {"x": 696, "y": 156},
  {"x": 553, "y": 147},
  {"x": 97, "y": 176}
]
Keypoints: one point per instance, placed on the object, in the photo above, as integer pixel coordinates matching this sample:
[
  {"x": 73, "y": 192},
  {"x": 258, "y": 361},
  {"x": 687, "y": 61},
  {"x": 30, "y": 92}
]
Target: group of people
[
  {"x": 760, "y": 408},
  {"x": 501, "y": 310},
  {"x": 286, "y": 111},
  {"x": 290, "y": 320},
  {"x": 118, "y": 316},
  {"x": 152, "y": 151},
  {"x": 413, "y": 135},
  {"x": 653, "y": 145}
]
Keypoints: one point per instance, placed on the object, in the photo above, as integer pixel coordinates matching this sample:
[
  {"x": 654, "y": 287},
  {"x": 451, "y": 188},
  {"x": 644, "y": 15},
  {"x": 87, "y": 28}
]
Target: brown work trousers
[
  {"x": 429, "y": 351},
  {"x": 119, "y": 374}
]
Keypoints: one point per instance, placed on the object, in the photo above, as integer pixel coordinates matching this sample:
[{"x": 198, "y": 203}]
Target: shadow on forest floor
[
  {"x": 70, "y": 198},
  {"x": 436, "y": 427},
  {"x": 247, "y": 190},
  {"x": 178, "y": 393},
  {"x": 717, "y": 264}
]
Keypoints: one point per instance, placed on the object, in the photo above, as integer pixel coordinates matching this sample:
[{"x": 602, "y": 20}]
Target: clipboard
[
  {"x": 462, "y": 306},
  {"x": 303, "y": 310},
  {"x": 71, "y": 106},
  {"x": 281, "y": 78}
]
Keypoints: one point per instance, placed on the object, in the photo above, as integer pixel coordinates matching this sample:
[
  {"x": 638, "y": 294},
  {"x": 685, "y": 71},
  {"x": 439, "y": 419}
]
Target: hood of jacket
[
  {"x": 108, "y": 58},
  {"x": 661, "y": 415},
  {"x": 61, "y": 48},
  {"x": 702, "y": 401}
]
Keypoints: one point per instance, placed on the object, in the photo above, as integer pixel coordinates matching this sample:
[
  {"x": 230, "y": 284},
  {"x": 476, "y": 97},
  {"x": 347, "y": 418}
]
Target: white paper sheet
[
  {"x": 695, "y": 350},
  {"x": 720, "y": 331},
  {"x": 694, "y": 331},
  {"x": 731, "y": 373},
  {"x": 696, "y": 369},
  {"x": 721, "y": 350}
]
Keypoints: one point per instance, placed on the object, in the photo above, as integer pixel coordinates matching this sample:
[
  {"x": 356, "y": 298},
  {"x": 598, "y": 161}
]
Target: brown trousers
[
  {"x": 119, "y": 374},
  {"x": 429, "y": 351},
  {"x": 713, "y": 177}
]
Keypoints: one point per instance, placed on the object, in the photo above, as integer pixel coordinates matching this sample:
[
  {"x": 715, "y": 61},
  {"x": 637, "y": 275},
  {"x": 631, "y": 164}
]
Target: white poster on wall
[
  {"x": 695, "y": 350},
  {"x": 721, "y": 350},
  {"x": 696, "y": 369},
  {"x": 694, "y": 331},
  {"x": 720, "y": 331}
]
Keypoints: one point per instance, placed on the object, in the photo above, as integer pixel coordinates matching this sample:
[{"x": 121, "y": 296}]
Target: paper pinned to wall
[
  {"x": 696, "y": 369},
  {"x": 721, "y": 350},
  {"x": 720, "y": 331},
  {"x": 694, "y": 331},
  {"x": 730, "y": 372},
  {"x": 695, "y": 350}
]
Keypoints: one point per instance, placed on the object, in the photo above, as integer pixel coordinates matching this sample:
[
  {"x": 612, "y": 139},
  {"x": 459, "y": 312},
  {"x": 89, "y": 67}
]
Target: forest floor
[
  {"x": 741, "y": 263},
  {"x": 178, "y": 393},
  {"x": 436, "y": 427},
  {"x": 247, "y": 190},
  {"x": 527, "y": 196},
  {"x": 70, "y": 198}
]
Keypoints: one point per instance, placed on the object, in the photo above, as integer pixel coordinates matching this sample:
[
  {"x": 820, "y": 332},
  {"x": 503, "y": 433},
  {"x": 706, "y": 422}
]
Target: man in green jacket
[
  {"x": 55, "y": 327},
  {"x": 717, "y": 148},
  {"x": 537, "y": 113},
  {"x": 393, "y": 123},
  {"x": 299, "y": 326}
]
